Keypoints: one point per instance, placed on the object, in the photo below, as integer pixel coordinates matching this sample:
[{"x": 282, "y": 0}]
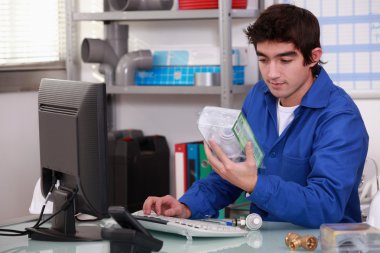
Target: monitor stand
[{"x": 63, "y": 226}]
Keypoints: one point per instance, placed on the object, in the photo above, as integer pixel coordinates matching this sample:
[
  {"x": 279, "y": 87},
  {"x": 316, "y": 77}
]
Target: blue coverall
[{"x": 310, "y": 173}]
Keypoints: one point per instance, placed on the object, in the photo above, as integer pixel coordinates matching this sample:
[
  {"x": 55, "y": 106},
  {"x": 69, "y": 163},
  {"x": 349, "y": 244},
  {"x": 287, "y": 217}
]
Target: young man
[{"x": 311, "y": 132}]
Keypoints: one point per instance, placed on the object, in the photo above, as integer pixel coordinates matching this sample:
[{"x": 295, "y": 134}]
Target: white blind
[
  {"x": 31, "y": 31},
  {"x": 350, "y": 37}
]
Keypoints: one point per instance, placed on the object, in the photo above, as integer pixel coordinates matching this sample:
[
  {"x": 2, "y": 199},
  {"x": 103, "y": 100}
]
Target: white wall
[
  {"x": 19, "y": 152},
  {"x": 369, "y": 109}
]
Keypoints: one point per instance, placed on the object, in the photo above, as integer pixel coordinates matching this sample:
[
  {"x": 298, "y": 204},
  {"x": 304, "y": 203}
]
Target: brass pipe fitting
[
  {"x": 291, "y": 237},
  {"x": 294, "y": 241}
]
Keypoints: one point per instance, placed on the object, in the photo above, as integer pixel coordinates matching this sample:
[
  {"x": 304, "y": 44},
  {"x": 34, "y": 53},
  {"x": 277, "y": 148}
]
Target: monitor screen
[{"x": 73, "y": 152}]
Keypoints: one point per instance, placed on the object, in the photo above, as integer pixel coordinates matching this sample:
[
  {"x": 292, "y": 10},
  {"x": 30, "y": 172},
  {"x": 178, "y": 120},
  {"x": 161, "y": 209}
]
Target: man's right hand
[{"x": 167, "y": 206}]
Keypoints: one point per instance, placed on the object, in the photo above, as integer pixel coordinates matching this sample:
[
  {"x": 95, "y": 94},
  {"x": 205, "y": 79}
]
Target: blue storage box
[{"x": 181, "y": 75}]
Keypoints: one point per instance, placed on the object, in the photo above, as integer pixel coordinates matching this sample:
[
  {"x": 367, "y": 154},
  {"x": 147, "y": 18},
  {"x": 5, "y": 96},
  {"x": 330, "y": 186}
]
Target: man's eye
[
  {"x": 263, "y": 60},
  {"x": 285, "y": 60}
]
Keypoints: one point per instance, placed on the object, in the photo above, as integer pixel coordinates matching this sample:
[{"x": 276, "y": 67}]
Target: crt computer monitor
[{"x": 73, "y": 150}]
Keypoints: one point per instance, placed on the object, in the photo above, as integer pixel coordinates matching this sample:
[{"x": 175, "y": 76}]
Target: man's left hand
[{"x": 240, "y": 174}]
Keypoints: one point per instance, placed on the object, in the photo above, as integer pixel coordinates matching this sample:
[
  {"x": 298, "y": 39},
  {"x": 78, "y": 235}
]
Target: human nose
[{"x": 273, "y": 72}]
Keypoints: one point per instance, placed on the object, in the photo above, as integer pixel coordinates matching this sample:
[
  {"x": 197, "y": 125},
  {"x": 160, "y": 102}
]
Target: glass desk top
[{"x": 270, "y": 238}]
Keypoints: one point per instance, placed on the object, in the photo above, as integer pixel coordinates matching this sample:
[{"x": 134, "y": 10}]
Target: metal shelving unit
[
  {"x": 224, "y": 15},
  {"x": 160, "y": 15},
  {"x": 179, "y": 90}
]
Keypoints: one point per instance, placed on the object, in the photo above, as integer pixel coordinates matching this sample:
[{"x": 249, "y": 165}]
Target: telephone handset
[{"x": 132, "y": 236}]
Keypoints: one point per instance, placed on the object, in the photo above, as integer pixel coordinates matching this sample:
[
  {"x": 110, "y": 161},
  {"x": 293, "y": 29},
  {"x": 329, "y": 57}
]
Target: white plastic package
[
  {"x": 230, "y": 130},
  {"x": 216, "y": 123}
]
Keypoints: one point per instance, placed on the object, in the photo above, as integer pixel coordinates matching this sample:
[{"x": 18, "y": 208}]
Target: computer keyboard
[{"x": 187, "y": 227}]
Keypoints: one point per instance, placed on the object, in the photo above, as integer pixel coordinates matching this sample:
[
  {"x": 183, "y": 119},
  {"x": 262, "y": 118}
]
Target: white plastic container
[
  {"x": 216, "y": 123},
  {"x": 230, "y": 130}
]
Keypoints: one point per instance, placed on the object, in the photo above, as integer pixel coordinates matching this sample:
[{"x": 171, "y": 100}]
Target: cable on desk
[
  {"x": 66, "y": 205},
  {"x": 13, "y": 232}
]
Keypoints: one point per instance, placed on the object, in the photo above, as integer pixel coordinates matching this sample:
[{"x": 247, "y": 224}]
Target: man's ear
[{"x": 316, "y": 55}]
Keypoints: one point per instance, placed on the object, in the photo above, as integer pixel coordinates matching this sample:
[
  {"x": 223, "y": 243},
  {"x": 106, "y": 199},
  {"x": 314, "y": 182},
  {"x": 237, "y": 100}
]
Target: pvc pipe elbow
[
  {"x": 98, "y": 51},
  {"x": 128, "y": 63}
]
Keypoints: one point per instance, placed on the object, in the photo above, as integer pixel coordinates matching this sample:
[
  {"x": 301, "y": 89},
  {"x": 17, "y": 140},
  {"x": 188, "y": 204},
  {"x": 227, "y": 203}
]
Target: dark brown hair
[{"x": 287, "y": 23}]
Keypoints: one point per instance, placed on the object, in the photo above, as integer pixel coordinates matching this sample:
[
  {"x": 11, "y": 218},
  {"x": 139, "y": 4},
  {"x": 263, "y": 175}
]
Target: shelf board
[
  {"x": 175, "y": 90},
  {"x": 161, "y": 15}
]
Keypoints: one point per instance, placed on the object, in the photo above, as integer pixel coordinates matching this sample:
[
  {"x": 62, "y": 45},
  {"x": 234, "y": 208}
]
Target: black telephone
[{"x": 132, "y": 237}]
